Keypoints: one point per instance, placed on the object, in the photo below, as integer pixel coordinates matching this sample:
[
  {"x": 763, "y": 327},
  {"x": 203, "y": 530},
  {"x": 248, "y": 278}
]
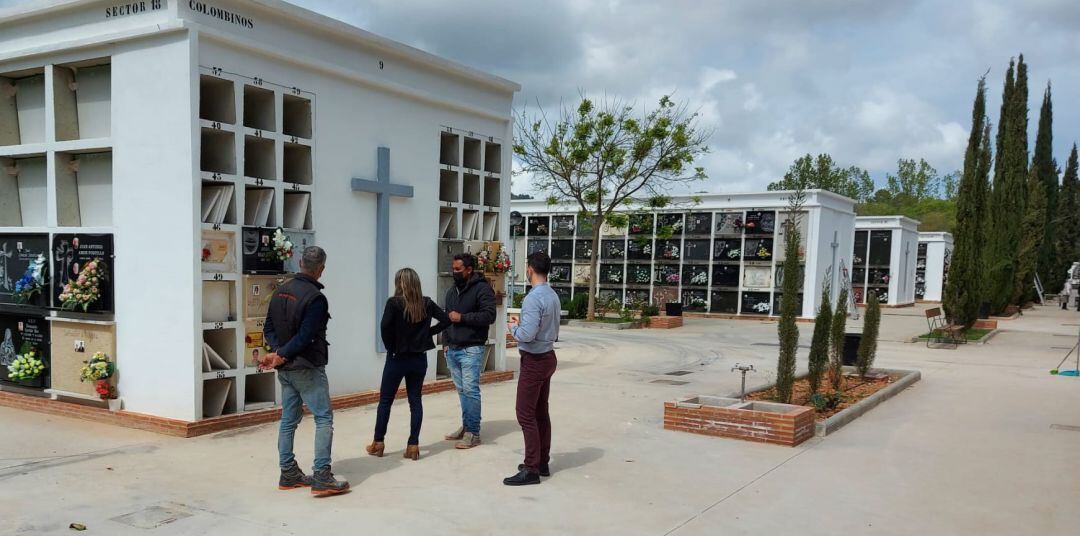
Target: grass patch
[{"x": 972, "y": 334}]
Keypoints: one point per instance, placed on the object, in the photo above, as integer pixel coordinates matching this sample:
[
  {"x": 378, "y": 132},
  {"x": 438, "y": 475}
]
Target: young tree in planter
[
  {"x": 836, "y": 340},
  {"x": 604, "y": 156},
  {"x": 868, "y": 343},
  {"x": 819, "y": 345},
  {"x": 787, "y": 330}
]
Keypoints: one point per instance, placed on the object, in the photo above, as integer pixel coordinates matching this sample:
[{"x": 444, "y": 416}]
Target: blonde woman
[{"x": 406, "y": 332}]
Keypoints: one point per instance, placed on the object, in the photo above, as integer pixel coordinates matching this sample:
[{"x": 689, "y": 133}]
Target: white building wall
[{"x": 937, "y": 244}]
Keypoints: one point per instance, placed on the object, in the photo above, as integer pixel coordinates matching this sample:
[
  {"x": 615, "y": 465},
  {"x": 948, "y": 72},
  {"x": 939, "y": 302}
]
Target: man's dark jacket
[
  {"x": 296, "y": 321},
  {"x": 476, "y": 303}
]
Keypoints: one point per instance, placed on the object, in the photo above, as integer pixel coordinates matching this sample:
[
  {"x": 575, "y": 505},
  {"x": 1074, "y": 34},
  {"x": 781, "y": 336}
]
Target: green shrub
[
  {"x": 519, "y": 298},
  {"x": 836, "y": 341},
  {"x": 868, "y": 344},
  {"x": 819, "y": 345},
  {"x": 578, "y": 306}
]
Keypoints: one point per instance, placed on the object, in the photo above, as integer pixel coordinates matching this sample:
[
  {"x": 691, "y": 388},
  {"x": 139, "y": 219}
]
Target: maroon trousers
[{"x": 534, "y": 385}]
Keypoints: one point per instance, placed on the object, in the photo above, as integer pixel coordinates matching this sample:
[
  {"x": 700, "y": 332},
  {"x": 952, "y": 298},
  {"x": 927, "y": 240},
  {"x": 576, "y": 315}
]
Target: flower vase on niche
[{"x": 264, "y": 251}]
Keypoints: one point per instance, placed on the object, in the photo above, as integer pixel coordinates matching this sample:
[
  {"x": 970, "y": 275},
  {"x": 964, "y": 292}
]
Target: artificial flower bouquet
[
  {"x": 98, "y": 369},
  {"x": 281, "y": 248},
  {"x": 32, "y": 281},
  {"x": 493, "y": 259},
  {"x": 27, "y": 365},
  {"x": 85, "y": 290}
]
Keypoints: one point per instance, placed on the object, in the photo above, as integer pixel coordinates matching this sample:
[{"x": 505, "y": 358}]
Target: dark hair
[
  {"x": 540, "y": 263},
  {"x": 467, "y": 259}
]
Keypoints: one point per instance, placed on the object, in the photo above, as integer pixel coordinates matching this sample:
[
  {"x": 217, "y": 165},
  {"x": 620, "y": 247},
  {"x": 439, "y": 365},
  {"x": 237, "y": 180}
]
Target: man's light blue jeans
[
  {"x": 465, "y": 366},
  {"x": 299, "y": 387}
]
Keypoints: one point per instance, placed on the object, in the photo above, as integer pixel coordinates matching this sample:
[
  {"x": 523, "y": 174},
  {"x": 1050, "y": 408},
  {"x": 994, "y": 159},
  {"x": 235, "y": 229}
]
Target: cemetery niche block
[
  {"x": 74, "y": 342},
  {"x": 258, "y": 289},
  {"x": 71, "y": 253},
  {"x": 17, "y": 253},
  {"x": 218, "y": 252},
  {"x": 23, "y": 192},
  {"x": 22, "y": 333},
  {"x": 22, "y": 107}
]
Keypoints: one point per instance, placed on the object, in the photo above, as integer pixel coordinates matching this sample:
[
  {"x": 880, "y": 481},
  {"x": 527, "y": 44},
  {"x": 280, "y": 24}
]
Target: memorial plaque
[
  {"x": 699, "y": 223},
  {"x": 612, "y": 249},
  {"x": 610, "y": 295},
  {"x": 300, "y": 240},
  {"x": 517, "y": 230},
  {"x": 254, "y": 341},
  {"x": 639, "y": 250},
  {"x": 583, "y": 250},
  {"x": 560, "y": 273},
  {"x": 757, "y": 277},
  {"x": 694, "y": 300},
  {"x": 539, "y": 225},
  {"x": 859, "y": 250},
  {"x": 798, "y": 303},
  {"x": 729, "y": 223},
  {"x": 782, "y": 233},
  {"x": 218, "y": 251},
  {"x": 562, "y": 226},
  {"x": 538, "y": 245},
  {"x": 258, "y": 289},
  {"x": 668, "y": 250},
  {"x": 858, "y": 293},
  {"x": 17, "y": 253},
  {"x": 664, "y": 295},
  {"x": 759, "y": 249},
  {"x": 756, "y": 303},
  {"x": 257, "y": 245},
  {"x": 584, "y": 227},
  {"x": 639, "y": 274},
  {"x": 562, "y": 249},
  {"x": 609, "y": 230},
  {"x": 447, "y": 250},
  {"x": 611, "y": 274},
  {"x": 581, "y": 275},
  {"x": 71, "y": 253},
  {"x": 695, "y": 250},
  {"x": 880, "y": 248},
  {"x": 20, "y": 334},
  {"x": 667, "y": 274},
  {"x": 670, "y": 223},
  {"x": 778, "y": 279},
  {"x": 724, "y": 302},
  {"x": 695, "y": 275},
  {"x": 759, "y": 222},
  {"x": 726, "y": 275},
  {"x": 562, "y": 292},
  {"x": 636, "y": 298},
  {"x": 727, "y": 249},
  {"x": 641, "y": 224}
]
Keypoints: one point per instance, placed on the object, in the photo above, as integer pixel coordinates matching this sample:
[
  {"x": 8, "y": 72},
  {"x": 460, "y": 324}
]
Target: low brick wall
[
  {"x": 176, "y": 427},
  {"x": 763, "y": 422},
  {"x": 665, "y": 322}
]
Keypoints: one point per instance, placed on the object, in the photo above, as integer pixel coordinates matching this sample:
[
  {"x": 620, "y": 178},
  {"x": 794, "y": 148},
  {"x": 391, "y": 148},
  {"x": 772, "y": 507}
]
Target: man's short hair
[
  {"x": 314, "y": 258},
  {"x": 466, "y": 259},
  {"x": 540, "y": 263}
]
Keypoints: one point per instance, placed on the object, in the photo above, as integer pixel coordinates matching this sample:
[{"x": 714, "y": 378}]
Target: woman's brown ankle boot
[
  {"x": 376, "y": 448},
  {"x": 412, "y": 452}
]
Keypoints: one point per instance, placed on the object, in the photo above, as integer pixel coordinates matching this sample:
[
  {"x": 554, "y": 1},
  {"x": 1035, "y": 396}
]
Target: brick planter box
[
  {"x": 764, "y": 422},
  {"x": 665, "y": 322}
]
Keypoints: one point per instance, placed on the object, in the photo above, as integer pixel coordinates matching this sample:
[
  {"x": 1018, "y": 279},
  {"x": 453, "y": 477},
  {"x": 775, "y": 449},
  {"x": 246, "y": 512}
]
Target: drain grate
[
  {"x": 1067, "y": 427},
  {"x": 678, "y": 373},
  {"x": 670, "y": 382},
  {"x": 152, "y": 517}
]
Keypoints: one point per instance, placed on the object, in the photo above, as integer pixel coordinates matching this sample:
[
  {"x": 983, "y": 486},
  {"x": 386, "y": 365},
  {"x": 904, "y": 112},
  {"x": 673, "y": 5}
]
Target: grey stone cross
[
  {"x": 903, "y": 281},
  {"x": 383, "y": 190}
]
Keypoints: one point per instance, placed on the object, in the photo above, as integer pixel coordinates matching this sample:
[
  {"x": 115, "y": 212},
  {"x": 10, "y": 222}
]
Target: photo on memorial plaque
[
  {"x": 668, "y": 250},
  {"x": 560, "y": 273},
  {"x": 24, "y": 270},
  {"x": 638, "y": 274},
  {"x": 778, "y": 278},
  {"x": 859, "y": 250},
  {"x": 726, "y": 302},
  {"x": 798, "y": 303},
  {"x": 759, "y": 249},
  {"x": 725, "y": 275},
  {"x": 583, "y": 250},
  {"x": 636, "y": 298},
  {"x": 760, "y": 222},
  {"x": 612, "y": 249},
  {"x": 611, "y": 274},
  {"x": 695, "y": 275},
  {"x": 539, "y": 225},
  {"x": 639, "y": 250},
  {"x": 669, "y": 224},
  {"x": 727, "y": 249},
  {"x": 699, "y": 223},
  {"x": 880, "y": 248},
  {"x": 538, "y": 245},
  {"x": 562, "y": 226},
  {"x": 562, "y": 249},
  {"x": 25, "y": 344},
  {"x": 756, "y": 303},
  {"x": 82, "y": 272},
  {"x": 641, "y": 224},
  {"x": 695, "y": 300},
  {"x": 668, "y": 275},
  {"x": 729, "y": 223},
  {"x": 695, "y": 250},
  {"x": 257, "y": 251},
  {"x": 757, "y": 277}
]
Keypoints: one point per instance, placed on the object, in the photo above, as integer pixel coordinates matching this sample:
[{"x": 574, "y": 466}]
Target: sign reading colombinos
[{"x": 221, "y": 14}]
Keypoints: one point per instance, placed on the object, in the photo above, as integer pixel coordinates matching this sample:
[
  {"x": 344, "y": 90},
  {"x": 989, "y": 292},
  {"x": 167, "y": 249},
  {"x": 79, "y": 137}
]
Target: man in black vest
[{"x": 295, "y": 329}]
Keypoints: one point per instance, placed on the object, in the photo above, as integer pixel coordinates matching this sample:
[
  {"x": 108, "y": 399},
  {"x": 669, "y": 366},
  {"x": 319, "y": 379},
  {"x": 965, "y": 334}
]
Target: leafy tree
[
  {"x": 1067, "y": 220},
  {"x": 963, "y": 290},
  {"x": 916, "y": 181},
  {"x": 1045, "y": 170},
  {"x": 868, "y": 343},
  {"x": 787, "y": 329},
  {"x": 836, "y": 340},
  {"x": 809, "y": 173},
  {"x": 819, "y": 345},
  {"x": 604, "y": 156}
]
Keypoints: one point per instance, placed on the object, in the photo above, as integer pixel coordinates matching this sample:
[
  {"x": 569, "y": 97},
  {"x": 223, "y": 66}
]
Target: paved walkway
[{"x": 981, "y": 445}]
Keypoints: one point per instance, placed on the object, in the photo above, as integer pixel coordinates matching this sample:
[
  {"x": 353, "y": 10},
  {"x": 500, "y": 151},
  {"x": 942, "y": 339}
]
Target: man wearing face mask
[{"x": 470, "y": 303}]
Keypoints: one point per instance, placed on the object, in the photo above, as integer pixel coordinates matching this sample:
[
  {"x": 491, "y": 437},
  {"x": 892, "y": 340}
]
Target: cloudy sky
[{"x": 867, "y": 81}]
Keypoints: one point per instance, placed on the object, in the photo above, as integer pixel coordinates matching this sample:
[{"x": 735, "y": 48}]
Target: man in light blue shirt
[{"x": 536, "y": 334}]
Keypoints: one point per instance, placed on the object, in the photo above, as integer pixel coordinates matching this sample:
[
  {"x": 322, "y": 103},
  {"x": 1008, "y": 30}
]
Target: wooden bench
[{"x": 941, "y": 330}]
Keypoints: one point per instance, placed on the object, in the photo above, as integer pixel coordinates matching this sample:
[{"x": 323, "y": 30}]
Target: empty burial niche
[
  {"x": 259, "y": 391},
  {"x": 216, "y": 102},
  {"x": 218, "y": 302},
  {"x": 218, "y": 152},
  {"x": 493, "y": 158},
  {"x": 492, "y": 192},
  {"x": 297, "y": 210},
  {"x": 297, "y": 164},
  {"x": 297, "y": 116},
  {"x": 448, "y": 223},
  {"x": 22, "y": 107},
  {"x": 219, "y": 397},
  {"x": 471, "y": 189},
  {"x": 23, "y": 192},
  {"x": 448, "y": 149},
  {"x": 259, "y": 160},
  {"x": 219, "y": 350},
  {"x": 472, "y": 153},
  {"x": 258, "y": 108},
  {"x": 260, "y": 210},
  {"x": 82, "y": 100},
  {"x": 84, "y": 189},
  {"x": 448, "y": 186}
]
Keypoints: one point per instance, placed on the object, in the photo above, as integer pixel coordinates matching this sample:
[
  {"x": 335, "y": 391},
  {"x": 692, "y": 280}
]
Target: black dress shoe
[
  {"x": 544, "y": 469},
  {"x": 524, "y": 477}
]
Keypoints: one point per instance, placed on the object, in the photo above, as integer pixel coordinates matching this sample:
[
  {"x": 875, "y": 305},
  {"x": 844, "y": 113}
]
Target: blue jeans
[
  {"x": 465, "y": 366},
  {"x": 310, "y": 387}
]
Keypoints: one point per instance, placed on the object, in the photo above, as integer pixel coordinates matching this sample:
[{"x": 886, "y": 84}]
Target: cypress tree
[
  {"x": 1031, "y": 243},
  {"x": 819, "y": 345},
  {"x": 868, "y": 343},
  {"x": 1068, "y": 219},
  {"x": 836, "y": 340},
  {"x": 788, "y": 330},
  {"x": 1045, "y": 170},
  {"x": 963, "y": 287}
]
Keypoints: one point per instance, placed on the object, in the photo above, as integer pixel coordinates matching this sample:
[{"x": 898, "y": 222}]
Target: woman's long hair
[{"x": 407, "y": 287}]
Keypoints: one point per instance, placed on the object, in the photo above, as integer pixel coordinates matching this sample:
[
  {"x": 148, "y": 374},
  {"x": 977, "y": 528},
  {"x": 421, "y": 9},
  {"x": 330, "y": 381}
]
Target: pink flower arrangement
[
  {"x": 85, "y": 290},
  {"x": 493, "y": 258}
]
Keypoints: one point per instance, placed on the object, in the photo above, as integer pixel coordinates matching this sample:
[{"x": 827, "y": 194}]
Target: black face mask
[{"x": 459, "y": 279}]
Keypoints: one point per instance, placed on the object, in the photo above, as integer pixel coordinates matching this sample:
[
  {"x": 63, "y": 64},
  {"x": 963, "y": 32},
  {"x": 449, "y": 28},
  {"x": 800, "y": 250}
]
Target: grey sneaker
[
  {"x": 469, "y": 441},
  {"x": 456, "y": 435}
]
